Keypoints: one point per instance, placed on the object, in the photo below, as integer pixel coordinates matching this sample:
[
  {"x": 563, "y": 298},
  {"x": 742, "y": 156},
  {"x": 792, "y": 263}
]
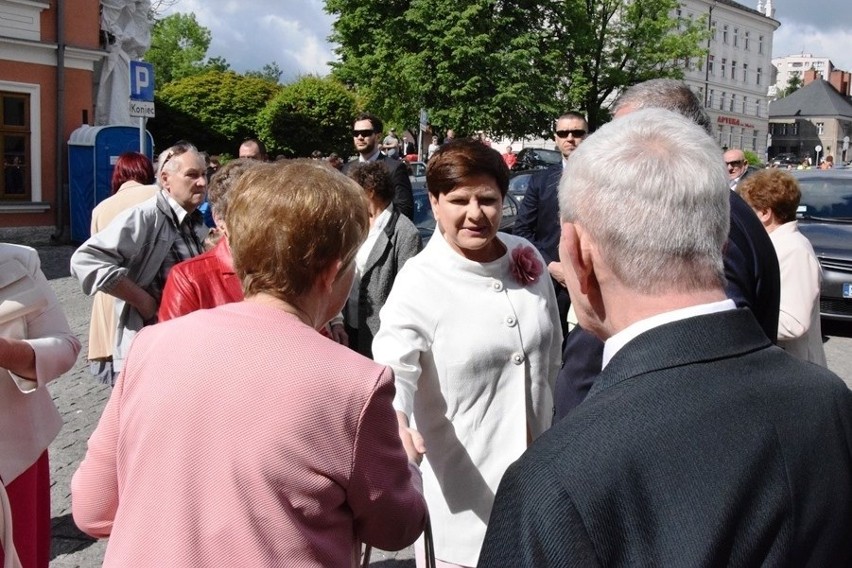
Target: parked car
[
  {"x": 417, "y": 174},
  {"x": 825, "y": 218},
  {"x": 518, "y": 184},
  {"x": 785, "y": 159},
  {"x": 536, "y": 159},
  {"x": 424, "y": 220}
]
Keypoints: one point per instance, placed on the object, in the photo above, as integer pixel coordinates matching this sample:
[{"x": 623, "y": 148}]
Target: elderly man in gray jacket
[{"x": 131, "y": 258}]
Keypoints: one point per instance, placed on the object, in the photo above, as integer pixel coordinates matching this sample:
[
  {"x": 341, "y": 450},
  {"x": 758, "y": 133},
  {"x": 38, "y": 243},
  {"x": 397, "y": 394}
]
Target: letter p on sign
[{"x": 141, "y": 81}]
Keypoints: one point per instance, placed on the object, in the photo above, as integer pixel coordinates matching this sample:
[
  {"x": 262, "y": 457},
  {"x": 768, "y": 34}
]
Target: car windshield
[
  {"x": 828, "y": 198},
  {"x": 549, "y": 157}
]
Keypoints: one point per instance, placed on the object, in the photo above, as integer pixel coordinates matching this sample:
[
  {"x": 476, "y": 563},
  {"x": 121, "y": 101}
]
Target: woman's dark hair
[
  {"x": 132, "y": 166},
  {"x": 374, "y": 176},
  {"x": 460, "y": 160}
]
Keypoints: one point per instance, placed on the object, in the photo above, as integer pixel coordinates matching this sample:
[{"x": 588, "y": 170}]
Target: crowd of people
[{"x": 635, "y": 376}]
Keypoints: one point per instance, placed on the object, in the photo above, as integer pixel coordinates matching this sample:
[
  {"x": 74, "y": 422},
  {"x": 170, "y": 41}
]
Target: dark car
[
  {"x": 785, "y": 159},
  {"x": 536, "y": 159},
  {"x": 424, "y": 220},
  {"x": 519, "y": 183},
  {"x": 825, "y": 218}
]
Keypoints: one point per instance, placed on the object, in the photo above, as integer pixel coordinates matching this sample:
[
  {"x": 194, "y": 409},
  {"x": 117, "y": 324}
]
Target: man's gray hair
[
  {"x": 669, "y": 94},
  {"x": 651, "y": 189},
  {"x": 166, "y": 161}
]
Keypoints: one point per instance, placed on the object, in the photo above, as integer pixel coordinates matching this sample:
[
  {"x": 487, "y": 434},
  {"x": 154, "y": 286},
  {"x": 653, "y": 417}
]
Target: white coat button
[
  {"x": 498, "y": 286},
  {"x": 511, "y": 321},
  {"x": 517, "y": 358}
]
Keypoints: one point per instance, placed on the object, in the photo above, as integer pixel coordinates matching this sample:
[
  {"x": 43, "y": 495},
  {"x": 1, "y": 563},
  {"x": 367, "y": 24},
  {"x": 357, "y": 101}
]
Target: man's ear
[{"x": 575, "y": 253}]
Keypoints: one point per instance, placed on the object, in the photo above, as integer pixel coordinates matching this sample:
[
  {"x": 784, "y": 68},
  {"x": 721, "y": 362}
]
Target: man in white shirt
[{"x": 699, "y": 443}]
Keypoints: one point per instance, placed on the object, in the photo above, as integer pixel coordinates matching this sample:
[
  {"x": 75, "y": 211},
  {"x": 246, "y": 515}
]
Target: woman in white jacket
[
  {"x": 774, "y": 195},
  {"x": 472, "y": 333},
  {"x": 36, "y": 346}
]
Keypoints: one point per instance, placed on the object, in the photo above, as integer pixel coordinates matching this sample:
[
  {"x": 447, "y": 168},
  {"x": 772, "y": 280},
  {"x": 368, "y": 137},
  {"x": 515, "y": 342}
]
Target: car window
[{"x": 826, "y": 197}]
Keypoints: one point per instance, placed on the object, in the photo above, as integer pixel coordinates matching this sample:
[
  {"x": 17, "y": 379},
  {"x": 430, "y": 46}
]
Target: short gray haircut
[
  {"x": 652, "y": 191},
  {"x": 166, "y": 161},
  {"x": 669, "y": 94}
]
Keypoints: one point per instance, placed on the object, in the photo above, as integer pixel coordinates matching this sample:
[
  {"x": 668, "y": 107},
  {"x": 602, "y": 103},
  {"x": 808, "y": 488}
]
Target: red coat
[{"x": 205, "y": 281}]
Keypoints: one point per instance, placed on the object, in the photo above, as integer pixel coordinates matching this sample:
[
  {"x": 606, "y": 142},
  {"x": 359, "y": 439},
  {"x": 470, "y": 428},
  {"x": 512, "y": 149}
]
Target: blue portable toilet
[{"x": 92, "y": 153}]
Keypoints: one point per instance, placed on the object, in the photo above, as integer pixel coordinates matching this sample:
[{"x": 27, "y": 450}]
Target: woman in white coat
[
  {"x": 36, "y": 346},
  {"x": 774, "y": 195},
  {"x": 472, "y": 333}
]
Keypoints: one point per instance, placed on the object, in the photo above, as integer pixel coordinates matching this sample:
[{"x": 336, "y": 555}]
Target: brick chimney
[
  {"x": 841, "y": 80},
  {"x": 810, "y": 76}
]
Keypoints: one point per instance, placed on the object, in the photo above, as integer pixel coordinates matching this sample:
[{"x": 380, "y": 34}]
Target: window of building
[
  {"x": 820, "y": 127},
  {"x": 760, "y": 44},
  {"x": 736, "y": 37},
  {"x": 722, "y": 101},
  {"x": 713, "y": 30},
  {"x": 745, "y": 72},
  {"x": 754, "y": 140},
  {"x": 746, "y": 41},
  {"x": 759, "y": 73},
  {"x": 15, "y": 146},
  {"x": 724, "y": 66},
  {"x": 795, "y": 128},
  {"x": 711, "y": 59},
  {"x": 732, "y": 103},
  {"x": 711, "y": 95},
  {"x": 734, "y": 70},
  {"x": 725, "y": 33},
  {"x": 745, "y": 105},
  {"x": 679, "y": 16}
]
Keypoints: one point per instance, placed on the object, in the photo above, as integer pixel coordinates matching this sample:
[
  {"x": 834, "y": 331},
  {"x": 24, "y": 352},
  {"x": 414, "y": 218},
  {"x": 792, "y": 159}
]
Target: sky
[{"x": 294, "y": 33}]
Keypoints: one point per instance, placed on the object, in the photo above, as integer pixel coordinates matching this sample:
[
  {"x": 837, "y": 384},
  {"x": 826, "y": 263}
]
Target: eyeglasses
[
  {"x": 576, "y": 133},
  {"x": 734, "y": 164},
  {"x": 366, "y": 133}
]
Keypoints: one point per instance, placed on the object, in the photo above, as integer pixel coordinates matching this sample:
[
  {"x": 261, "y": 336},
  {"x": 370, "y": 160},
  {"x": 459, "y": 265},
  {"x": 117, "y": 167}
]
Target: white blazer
[
  {"x": 475, "y": 355},
  {"x": 799, "y": 329},
  {"x": 30, "y": 311}
]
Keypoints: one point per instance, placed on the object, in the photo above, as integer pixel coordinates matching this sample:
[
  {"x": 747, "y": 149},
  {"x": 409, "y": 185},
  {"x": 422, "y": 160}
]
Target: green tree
[
  {"x": 794, "y": 83},
  {"x": 270, "y": 72},
  {"x": 506, "y": 66},
  {"x": 310, "y": 114},
  {"x": 215, "y": 110},
  {"x": 178, "y": 47}
]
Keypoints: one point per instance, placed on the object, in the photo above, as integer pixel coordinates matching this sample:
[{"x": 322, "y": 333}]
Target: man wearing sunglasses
[
  {"x": 737, "y": 165},
  {"x": 365, "y": 137},
  {"x": 538, "y": 215}
]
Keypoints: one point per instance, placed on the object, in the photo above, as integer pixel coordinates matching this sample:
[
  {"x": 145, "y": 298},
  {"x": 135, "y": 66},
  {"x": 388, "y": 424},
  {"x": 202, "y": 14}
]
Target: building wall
[
  {"x": 28, "y": 65},
  {"x": 797, "y": 65},
  {"x": 801, "y": 136},
  {"x": 735, "y": 97}
]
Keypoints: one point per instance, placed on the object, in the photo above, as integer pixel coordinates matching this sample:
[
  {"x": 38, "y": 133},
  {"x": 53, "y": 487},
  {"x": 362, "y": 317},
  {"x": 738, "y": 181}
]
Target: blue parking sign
[{"x": 141, "y": 81}]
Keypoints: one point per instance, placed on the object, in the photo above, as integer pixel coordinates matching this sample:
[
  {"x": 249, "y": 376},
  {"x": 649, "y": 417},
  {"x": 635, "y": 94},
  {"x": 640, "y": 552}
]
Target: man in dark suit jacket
[
  {"x": 538, "y": 215},
  {"x": 751, "y": 265},
  {"x": 366, "y": 131},
  {"x": 701, "y": 443}
]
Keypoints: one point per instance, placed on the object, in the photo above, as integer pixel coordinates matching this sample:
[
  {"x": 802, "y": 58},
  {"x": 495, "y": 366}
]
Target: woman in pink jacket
[{"x": 240, "y": 436}]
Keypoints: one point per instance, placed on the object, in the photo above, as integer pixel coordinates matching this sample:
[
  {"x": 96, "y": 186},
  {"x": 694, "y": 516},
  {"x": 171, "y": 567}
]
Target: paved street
[{"x": 81, "y": 400}]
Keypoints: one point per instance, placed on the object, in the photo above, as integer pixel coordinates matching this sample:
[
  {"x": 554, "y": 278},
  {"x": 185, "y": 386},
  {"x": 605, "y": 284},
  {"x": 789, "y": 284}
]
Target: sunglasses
[
  {"x": 734, "y": 164},
  {"x": 176, "y": 150},
  {"x": 576, "y": 133},
  {"x": 366, "y": 133}
]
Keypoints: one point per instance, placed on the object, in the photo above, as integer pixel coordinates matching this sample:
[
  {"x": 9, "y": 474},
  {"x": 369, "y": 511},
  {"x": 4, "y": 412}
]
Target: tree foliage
[
  {"x": 310, "y": 114},
  {"x": 178, "y": 47},
  {"x": 215, "y": 110},
  {"x": 505, "y": 66},
  {"x": 270, "y": 72},
  {"x": 794, "y": 83}
]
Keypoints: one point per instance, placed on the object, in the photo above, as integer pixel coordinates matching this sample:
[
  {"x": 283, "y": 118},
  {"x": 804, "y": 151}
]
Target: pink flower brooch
[{"x": 526, "y": 267}]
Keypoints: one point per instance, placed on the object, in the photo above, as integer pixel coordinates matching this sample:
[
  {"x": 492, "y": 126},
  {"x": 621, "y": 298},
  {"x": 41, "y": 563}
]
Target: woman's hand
[{"x": 412, "y": 441}]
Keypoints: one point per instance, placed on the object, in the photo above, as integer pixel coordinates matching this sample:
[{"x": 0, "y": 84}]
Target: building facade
[
  {"x": 48, "y": 53},
  {"x": 815, "y": 116},
  {"x": 734, "y": 77},
  {"x": 795, "y": 66}
]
